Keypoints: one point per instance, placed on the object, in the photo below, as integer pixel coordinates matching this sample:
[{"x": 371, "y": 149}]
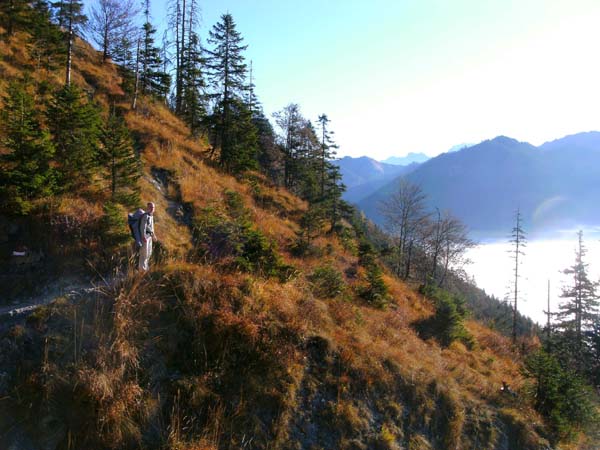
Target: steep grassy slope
[{"x": 231, "y": 341}]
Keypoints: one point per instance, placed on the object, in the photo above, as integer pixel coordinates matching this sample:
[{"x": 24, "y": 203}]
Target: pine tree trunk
[
  {"x": 137, "y": 77},
  {"x": 69, "y": 45},
  {"x": 105, "y": 45}
]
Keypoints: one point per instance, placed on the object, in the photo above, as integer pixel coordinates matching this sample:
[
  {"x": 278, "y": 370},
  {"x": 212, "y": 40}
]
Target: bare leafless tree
[
  {"x": 405, "y": 216},
  {"x": 445, "y": 241},
  {"x": 455, "y": 243},
  {"x": 112, "y": 25}
]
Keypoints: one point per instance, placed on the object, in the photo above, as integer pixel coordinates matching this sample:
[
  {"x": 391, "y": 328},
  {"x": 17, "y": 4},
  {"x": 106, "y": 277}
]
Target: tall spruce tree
[
  {"x": 241, "y": 151},
  {"x": 580, "y": 311},
  {"x": 194, "y": 102},
  {"x": 519, "y": 242},
  {"x": 69, "y": 15},
  {"x": 152, "y": 79},
  {"x": 46, "y": 43},
  {"x": 592, "y": 336},
  {"x": 270, "y": 156},
  {"x": 269, "y": 153},
  {"x": 290, "y": 122},
  {"x": 227, "y": 76},
  {"x": 75, "y": 126},
  {"x": 307, "y": 164},
  {"x": 117, "y": 155},
  {"x": 328, "y": 148},
  {"x": 14, "y": 15},
  {"x": 175, "y": 21},
  {"x": 26, "y": 173},
  {"x": 335, "y": 207}
]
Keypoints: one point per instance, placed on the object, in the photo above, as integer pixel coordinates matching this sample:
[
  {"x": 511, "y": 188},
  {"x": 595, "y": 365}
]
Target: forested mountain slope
[
  {"x": 260, "y": 324},
  {"x": 553, "y": 185}
]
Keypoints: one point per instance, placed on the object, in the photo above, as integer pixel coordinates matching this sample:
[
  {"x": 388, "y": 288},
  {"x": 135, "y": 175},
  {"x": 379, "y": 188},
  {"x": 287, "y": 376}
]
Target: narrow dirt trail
[
  {"x": 65, "y": 288},
  {"x": 72, "y": 287}
]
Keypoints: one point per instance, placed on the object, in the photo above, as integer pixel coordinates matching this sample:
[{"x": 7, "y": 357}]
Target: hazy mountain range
[
  {"x": 363, "y": 176},
  {"x": 555, "y": 185},
  {"x": 406, "y": 160}
]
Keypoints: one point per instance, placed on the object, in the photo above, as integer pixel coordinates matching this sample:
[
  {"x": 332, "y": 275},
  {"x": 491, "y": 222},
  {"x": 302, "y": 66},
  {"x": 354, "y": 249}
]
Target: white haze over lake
[{"x": 493, "y": 270}]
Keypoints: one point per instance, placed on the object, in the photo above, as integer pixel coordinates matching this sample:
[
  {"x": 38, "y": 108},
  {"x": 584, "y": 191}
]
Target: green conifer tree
[
  {"x": 580, "y": 310},
  {"x": 25, "y": 173},
  {"x": 592, "y": 336},
  {"x": 69, "y": 15},
  {"x": 153, "y": 80},
  {"x": 328, "y": 149},
  {"x": 269, "y": 155},
  {"x": 335, "y": 207},
  {"x": 227, "y": 75},
  {"x": 241, "y": 151},
  {"x": 193, "y": 104},
  {"x": 290, "y": 122},
  {"x": 75, "y": 126},
  {"x": 14, "y": 15},
  {"x": 46, "y": 44},
  {"x": 558, "y": 393},
  {"x": 117, "y": 155},
  {"x": 307, "y": 164}
]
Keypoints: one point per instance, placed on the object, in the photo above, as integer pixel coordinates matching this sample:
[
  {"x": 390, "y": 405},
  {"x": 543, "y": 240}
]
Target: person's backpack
[{"x": 134, "y": 221}]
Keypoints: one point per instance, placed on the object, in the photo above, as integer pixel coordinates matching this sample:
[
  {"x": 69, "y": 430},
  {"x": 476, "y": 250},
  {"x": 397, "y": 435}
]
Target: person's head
[{"x": 150, "y": 208}]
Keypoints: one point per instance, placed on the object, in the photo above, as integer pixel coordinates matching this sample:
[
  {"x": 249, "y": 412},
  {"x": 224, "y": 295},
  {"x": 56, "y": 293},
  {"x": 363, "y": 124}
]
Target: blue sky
[{"x": 424, "y": 75}]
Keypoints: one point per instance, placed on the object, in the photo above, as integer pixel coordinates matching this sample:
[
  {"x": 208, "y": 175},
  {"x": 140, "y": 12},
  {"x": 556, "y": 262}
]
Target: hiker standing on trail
[{"x": 147, "y": 236}]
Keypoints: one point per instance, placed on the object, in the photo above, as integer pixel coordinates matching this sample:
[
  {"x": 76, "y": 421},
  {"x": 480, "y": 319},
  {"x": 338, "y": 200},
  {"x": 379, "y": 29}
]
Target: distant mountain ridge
[
  {"x": 406, "y": 160},
  {"x": 555, "y": 185},
  {"x": 363, "y": 176}
]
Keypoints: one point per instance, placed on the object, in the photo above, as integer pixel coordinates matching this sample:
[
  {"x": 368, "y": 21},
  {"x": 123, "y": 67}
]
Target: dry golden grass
[
  {"x": 89, "y": 71},
  {"x": 79, "y": 207},
  {"x": 368, "y": 341}
]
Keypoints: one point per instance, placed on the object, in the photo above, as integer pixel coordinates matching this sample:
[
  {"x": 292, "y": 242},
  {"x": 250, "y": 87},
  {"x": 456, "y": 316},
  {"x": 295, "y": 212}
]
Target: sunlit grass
[{"x": 185, "y": 304}]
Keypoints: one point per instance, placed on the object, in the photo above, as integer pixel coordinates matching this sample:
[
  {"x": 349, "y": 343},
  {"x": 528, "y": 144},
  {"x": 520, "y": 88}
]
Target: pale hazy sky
[{"x": 396, "y": 76}]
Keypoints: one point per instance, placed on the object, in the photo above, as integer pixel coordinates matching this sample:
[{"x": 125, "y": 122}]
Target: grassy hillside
[{"x": 231, "y": 340}]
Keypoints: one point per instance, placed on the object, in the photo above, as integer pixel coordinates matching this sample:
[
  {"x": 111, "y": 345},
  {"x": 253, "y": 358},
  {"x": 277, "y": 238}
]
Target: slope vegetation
[
  {"x": 553, "y": 185},
  {"x": 232, "y": 340}
]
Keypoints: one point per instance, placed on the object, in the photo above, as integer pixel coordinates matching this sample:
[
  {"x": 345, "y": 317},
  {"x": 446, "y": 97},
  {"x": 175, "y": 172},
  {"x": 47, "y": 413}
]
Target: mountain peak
[
  {"x": 504, "y": 140},
  {"x": 410, "y": 158}
]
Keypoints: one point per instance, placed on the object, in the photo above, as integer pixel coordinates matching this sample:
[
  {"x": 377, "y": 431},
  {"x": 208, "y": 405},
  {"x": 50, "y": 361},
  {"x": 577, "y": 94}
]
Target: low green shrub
[
  {"x": 235, "y": 204},
  {"x": 326, "y": 282},
  {"x": 237, "y": 243},
  {"x": 375, "y": 292},
  {"x": 113, "y": 224},
  {"x": 447, "y": 324},
  {"x": 559, "y": 394}
]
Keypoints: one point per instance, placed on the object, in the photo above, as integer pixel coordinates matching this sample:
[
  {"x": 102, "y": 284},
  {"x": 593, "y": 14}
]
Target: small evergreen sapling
[
  {"x": 26, "y": 173},
  {"x": 75, "y": 126},
  {"x": 117, "y": 155}
]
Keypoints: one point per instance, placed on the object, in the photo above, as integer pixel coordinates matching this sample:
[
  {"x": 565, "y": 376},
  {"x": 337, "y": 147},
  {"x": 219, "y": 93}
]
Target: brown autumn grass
[
  {"x": 364, "y": 337},
  {"x": 102, "y": 351}
]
